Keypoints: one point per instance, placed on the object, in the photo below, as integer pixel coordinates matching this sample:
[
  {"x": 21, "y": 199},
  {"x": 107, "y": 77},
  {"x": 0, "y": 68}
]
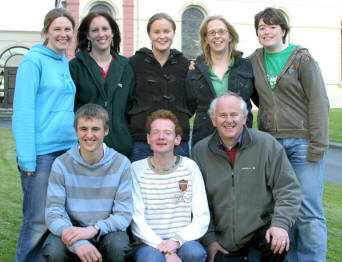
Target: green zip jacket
[
  {"x": 299, "y": 106},
  {"x": 115, "y": 94},
  {"x": 260, "y": 188}
]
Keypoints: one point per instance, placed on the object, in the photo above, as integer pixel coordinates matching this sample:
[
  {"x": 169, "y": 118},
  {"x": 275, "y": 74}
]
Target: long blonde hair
[{"x": 205, "y": 46}]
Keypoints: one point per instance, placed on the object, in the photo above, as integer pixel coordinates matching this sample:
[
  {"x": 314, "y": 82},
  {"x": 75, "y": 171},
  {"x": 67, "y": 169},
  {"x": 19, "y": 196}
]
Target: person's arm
[
  {"x": 313, "y": 84},
  {"x": 56, "y": 217},
  {"x": 24, "y": 110},
  {"x": 210, "y": 236},
  {"x": 122, "y": 210},
  {"x": 189, "y": 97},
  {"x": 200, "y": 211},
  {"x": 131, "y": 85},
  {"x": 140, "y": 228}
]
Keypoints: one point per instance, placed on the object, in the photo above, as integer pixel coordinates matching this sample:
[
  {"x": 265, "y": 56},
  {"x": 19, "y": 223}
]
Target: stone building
[{"x": 314, "y": 24}]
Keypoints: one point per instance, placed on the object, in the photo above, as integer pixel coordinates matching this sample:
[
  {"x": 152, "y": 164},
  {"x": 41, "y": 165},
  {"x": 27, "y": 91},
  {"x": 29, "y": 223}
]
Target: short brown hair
[
  {"x": 92, "y": 111},
  {"x": 52, "y": 15},
  {"x": 272, "y": 16},
  {"x": 204, "y": 31},
  {"x": 163, "y": 114}
]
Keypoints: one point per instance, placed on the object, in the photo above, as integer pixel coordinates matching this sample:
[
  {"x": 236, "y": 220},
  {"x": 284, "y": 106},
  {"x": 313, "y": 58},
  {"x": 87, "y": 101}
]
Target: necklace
[{"x": 104, "y": 65}]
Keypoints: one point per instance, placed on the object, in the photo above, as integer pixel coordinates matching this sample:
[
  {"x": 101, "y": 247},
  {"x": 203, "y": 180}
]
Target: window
[
  {"x": 102, "y": 7},
  {"x": 10, "y": 58},
  {"x": 191, "y": 22}
]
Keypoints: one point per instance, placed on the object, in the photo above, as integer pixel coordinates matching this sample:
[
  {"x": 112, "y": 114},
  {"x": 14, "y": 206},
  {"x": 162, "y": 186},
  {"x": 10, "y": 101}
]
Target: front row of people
[{"x": 94, "y": 193}]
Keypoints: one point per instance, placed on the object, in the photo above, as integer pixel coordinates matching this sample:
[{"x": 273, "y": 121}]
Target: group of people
[{"x": 103, "y": 142}]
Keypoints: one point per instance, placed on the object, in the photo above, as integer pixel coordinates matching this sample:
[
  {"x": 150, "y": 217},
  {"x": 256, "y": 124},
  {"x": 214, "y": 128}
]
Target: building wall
[{"x": 314, "y": 24}]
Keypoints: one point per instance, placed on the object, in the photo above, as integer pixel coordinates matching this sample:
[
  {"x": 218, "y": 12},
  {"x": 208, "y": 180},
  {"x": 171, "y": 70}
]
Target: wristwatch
[{"x": 97, "y": 228}]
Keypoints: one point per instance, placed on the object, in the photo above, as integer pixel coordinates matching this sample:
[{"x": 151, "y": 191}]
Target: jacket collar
[{"x": 214, "y": 143}]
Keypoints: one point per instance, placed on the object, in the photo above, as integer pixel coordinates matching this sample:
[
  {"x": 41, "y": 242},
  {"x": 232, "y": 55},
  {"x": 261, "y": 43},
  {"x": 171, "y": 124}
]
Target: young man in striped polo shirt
[
  {"x": 89, "y": 199},
  {"x": 170, "y": 204}
]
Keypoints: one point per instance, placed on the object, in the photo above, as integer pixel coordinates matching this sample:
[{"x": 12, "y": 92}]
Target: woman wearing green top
[
  {"x": 219, "y": 68},
  {"x": 294, "y": 108},
  {"x": 104, "y": 77}
]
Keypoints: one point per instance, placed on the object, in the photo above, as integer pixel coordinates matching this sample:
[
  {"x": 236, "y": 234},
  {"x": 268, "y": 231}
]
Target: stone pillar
[
  {"x": 128, "y": 27},
  {"x": 73, "y": 7}
]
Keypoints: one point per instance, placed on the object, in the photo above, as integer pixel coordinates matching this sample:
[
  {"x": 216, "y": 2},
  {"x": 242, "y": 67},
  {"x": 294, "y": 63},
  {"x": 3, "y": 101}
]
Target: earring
[
  {"x": 112, "y": 44},
  {"x": 89, "y": 45}
]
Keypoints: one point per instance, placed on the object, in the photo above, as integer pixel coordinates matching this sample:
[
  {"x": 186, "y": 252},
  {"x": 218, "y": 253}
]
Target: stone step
[{"x": 6, "y": 113}]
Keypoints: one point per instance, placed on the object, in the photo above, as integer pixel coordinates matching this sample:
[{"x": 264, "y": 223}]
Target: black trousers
[{"x": 257, "y": 242}]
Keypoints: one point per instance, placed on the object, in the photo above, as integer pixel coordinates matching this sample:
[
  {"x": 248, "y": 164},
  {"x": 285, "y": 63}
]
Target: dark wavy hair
[{"x": 83, "y": 30}]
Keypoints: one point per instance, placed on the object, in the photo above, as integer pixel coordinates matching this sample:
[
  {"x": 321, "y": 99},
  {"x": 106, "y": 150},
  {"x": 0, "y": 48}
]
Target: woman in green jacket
[{"x": 104, "y": 77}]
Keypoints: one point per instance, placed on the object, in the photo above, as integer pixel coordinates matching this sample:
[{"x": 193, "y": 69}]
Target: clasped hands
[
  {"x": 86, "y": 252},
  {"x": 169, "y": 247}
]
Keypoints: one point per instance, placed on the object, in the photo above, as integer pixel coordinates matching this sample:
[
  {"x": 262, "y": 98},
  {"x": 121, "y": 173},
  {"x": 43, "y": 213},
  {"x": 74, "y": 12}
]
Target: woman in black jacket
[
  {"x": 220, "y": 67},
  {"x": 160, "y": 84}
]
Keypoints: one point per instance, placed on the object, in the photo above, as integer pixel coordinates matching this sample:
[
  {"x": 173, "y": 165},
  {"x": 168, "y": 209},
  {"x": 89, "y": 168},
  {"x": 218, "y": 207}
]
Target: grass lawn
[{"x": 11, "y": 198}]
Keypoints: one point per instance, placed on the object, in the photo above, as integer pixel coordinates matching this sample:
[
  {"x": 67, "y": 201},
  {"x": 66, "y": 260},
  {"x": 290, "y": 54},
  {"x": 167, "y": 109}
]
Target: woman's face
[
  {"x": 100, "y": 34},
  {"x": 218, "y": 36},
  {"x": 270, "y": 36},
  {"x": 161, "y": 35},
  {"x": 59, "y": 34}
]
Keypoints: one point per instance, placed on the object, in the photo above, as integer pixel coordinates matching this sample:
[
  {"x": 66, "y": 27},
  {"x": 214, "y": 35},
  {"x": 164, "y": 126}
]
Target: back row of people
[{"x": 286, "y": 85}]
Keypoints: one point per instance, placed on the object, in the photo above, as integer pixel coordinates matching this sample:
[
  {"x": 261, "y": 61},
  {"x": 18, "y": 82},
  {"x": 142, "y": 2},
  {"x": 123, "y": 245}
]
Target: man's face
[
  {"x": 162, "y": 137},
  {"x": 229, "y": 119},
  {"x": 90, "y": 133}
]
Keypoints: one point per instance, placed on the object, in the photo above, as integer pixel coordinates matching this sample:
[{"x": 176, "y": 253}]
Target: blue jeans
[
  {"x": 33, "y": 230},
  {"x": 114, "y": 247},
  {"x": 191, "y": 251},
  {"x": 309, "y": 234},
  {"x": 142, "y": 150}
]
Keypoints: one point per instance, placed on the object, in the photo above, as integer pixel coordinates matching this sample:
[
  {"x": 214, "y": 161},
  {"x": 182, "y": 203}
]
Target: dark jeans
[
  {"x": 257, "y": 242},
  {"x": 114, "y": 247}
]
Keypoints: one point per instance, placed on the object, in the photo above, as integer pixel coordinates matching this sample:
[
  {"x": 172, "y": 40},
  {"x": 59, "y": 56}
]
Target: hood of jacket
[
  {"x": 44, "y": 50},
  {"x": 107, "y": 158}
]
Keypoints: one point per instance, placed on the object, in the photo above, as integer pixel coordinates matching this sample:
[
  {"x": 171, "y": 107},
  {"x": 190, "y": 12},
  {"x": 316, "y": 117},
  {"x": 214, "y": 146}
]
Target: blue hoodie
[{"x": 43, "y": 106}]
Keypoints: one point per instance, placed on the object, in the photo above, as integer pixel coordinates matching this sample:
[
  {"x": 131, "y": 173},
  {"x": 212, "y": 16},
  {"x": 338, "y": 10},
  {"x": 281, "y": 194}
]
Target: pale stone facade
[{"x": 315, "y": 24}]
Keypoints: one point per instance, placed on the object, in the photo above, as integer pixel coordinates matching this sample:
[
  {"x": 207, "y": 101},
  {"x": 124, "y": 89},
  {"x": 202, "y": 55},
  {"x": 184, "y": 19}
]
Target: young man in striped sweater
[
  {"x": 170, "y": 205},
  {"x": 89, "y": 199}
]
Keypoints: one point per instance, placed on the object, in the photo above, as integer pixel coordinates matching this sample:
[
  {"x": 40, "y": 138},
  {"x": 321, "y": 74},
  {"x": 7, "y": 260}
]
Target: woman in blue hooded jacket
[{"x": 42, "y": 124}]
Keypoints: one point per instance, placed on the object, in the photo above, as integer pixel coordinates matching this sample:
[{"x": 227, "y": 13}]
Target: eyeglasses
[{"x": 220, "y": 32}]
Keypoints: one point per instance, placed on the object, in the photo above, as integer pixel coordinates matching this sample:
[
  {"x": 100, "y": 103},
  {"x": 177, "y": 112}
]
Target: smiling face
[
  {"x": 229, "y": 119},
  {"x": 162, "y": 137},
  {"x": 90, "y": 133},
  {"x": 59, "y": 34},
  {"x": 161, "y": 35},
  {"x": 218, "y": 36},
  {"x": 270, "y": 37},
  {"x": 100, "y": 33}
]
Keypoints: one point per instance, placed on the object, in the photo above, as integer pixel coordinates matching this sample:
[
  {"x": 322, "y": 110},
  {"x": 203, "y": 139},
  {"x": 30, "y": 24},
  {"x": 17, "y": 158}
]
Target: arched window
[
  {"x": 191, "y": 21},
  {"x": 101, "y": 6},
  {"x": 9, "y": 61}
]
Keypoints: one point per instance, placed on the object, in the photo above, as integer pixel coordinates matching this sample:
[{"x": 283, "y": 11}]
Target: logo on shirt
[
  {"x": 248, "y": 168},
  {"x": 183, "y": 184}
]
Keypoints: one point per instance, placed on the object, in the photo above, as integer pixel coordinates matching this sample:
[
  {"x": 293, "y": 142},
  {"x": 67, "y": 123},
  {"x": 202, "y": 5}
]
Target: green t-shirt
[
  {"x": 220, "y": 85},
  {"x": 275, "y": 62}
]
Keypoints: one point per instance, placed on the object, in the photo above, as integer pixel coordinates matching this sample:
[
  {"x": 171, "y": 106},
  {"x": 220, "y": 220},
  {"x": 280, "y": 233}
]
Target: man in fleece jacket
[
  {"x": 89, "y": 199},
  {"x": 252, "y": 190}
]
